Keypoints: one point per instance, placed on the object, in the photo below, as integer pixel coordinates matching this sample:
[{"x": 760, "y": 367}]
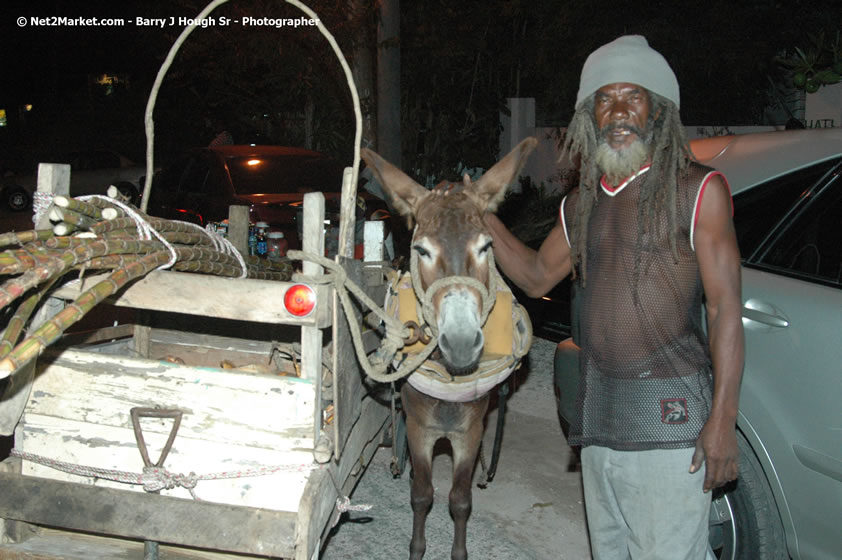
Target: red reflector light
[{"x": 300, "y": 300}]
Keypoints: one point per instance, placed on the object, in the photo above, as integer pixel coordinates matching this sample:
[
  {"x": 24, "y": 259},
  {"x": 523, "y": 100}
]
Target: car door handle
[{"x": 765, "y": 318}]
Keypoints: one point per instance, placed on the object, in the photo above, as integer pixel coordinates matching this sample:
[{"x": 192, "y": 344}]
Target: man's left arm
[{"x": 719, "y": 264}]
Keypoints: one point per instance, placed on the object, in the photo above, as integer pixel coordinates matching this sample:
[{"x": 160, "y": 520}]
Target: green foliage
[
  {"x": 454, "y": 82},
  {"x": 531, "y": 213},
  {"x": 264, "y": 84},
  {"x": 817, "y": 65},
  {"x": 722, "y": 52},
  {"x": 459, "y": 63}
]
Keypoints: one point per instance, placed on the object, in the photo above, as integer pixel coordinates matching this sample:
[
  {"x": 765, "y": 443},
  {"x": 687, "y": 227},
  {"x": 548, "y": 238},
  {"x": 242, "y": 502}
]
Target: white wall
[{"x": 824, "y": 108}]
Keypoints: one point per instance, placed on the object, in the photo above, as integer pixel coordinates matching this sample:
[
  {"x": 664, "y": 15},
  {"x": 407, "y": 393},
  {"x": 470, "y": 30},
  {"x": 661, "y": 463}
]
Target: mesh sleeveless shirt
[{"x": 646, "y": 380}]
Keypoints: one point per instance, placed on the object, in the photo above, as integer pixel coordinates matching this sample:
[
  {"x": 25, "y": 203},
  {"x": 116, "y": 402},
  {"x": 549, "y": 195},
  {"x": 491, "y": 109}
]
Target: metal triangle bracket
[{"x": 137, "y": 413}]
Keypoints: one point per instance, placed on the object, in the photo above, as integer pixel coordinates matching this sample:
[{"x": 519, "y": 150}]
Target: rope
[
  {"x": 343, "y": 504},
  {"x": 499, "y": 367},
  {"x": 155, "y": 479},
  {"x": 144, "y": 230},
  {"x": 41, "y": 202},
  {"x": 426, "y": 312},
  {"x": 377, "y": 366},
  {"x": 394, "y": 462},
  {"x": 396, "y": 332},
  {"x": 222, "y": 245}
]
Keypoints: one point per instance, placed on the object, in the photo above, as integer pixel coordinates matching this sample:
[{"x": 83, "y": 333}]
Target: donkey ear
[
  {"x": 404, "y": 192},
  {"x": 490, "y": 189}
]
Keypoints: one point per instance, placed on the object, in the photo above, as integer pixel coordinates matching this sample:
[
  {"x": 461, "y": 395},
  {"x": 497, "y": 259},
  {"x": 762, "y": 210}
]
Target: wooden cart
[
  {"x": 248, "y": 463},
  {"x": 292, "y": 443}
]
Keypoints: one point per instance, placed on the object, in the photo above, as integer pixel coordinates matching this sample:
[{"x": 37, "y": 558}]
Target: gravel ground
[{"x": 532, "y": 510}]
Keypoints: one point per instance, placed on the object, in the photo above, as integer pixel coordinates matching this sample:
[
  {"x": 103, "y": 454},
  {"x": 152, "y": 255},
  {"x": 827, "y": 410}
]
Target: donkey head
[{"x": 451, "y": 240}]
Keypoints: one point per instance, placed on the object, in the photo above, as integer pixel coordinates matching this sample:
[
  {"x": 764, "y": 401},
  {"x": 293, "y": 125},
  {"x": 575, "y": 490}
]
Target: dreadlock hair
[{"x": 670, "y": 157}]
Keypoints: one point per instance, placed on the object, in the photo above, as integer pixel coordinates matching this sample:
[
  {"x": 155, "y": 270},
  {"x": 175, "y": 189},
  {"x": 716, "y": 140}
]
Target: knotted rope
[
  {"x": 155, "y": 479},
  {"x": 343, "y": 504},
  {"x": 40, "y": 204}
]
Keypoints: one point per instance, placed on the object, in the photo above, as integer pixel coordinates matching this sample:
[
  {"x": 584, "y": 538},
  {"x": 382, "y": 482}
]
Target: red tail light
[{"x": 300, "y": 300}]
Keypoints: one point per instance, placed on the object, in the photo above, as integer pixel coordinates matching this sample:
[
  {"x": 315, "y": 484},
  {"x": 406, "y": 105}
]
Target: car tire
[
  {"x": 744, "y": 519},
  {"x": 16, "y": 198}
]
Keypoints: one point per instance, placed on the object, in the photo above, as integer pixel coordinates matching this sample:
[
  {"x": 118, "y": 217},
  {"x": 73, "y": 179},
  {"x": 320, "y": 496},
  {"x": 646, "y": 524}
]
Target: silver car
[
  {"x": 92, "y": 172},
  {"x": 788, "y": 214}
]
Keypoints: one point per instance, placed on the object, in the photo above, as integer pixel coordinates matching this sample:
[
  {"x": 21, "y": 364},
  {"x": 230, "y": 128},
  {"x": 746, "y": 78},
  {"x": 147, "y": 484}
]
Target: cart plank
[
  {"x": 317, "y": 503},
  {"x": 52, "y": 544},
  {"x": 348, "y": 386},
  {"x": 213, "y": 296},
  {"x": 242, "y": 424},
  {"x": 147, "y": 516}
]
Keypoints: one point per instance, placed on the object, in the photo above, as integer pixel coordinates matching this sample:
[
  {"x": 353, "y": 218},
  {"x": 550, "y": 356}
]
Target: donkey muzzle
[{"x": 460, "y": 332}]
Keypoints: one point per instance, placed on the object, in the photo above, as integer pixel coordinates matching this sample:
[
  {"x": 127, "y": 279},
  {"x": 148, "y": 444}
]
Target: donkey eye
[
  {"x": 421, "y": 250},
  {"x": 485, "y": 248}
]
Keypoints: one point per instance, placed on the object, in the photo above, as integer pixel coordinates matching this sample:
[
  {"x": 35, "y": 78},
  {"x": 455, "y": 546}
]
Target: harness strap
[
  {"x": 376, "y": 366},
  {"x": 432, "y": 378},
  {"x": 429, "y": 374},
  {"x": 426, "y": 312}
]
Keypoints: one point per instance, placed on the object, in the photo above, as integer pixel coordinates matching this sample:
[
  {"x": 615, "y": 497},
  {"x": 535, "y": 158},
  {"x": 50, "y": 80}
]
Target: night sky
[
  {"x": 34, "y": 56},
  {"x": 51, "y": 67},
  {"x": 705, "y": 42}
]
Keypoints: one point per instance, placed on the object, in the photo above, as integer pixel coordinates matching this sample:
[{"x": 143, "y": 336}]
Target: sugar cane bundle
[{"x": 106, "y": 235}]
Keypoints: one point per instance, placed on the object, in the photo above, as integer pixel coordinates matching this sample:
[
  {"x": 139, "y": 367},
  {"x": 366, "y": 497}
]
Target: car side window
[
  {"x": 93, "y": 160},
  {"x": 810, "y": 247},
  {"x": 759, "y": 209},
  {"x": 80, "y": 162},
  {"x": 104, "y": 160},
  {"x": 193, "y": 180},
  {"x": 170, "y": 176}
]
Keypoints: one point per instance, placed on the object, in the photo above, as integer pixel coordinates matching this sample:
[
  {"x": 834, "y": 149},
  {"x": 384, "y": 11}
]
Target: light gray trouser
[{"x": 645, "y": 505}]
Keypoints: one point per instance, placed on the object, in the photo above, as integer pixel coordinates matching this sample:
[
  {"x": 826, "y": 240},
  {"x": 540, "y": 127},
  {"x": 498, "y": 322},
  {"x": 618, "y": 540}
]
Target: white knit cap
[{"x": 628, "y": 59}]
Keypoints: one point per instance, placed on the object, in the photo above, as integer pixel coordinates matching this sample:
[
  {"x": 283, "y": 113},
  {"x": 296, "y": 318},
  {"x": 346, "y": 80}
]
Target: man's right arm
[{"x": 534, "y": 272}]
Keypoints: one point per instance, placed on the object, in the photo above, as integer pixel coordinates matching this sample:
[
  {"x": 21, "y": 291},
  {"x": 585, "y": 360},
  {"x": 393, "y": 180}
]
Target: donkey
[{"x": 450, "y": 240}]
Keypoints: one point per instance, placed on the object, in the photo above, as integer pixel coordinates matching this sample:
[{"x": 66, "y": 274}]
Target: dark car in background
[
  {"x": 201, "y": 184},
  {"x": 787, "y": 196},
  {"x": 91, "y": 172}
]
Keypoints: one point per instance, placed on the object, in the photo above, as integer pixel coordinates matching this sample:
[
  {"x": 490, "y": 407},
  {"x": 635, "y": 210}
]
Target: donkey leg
[
  {"x": 422, "y": 432},
  {"x": 465, "y": 444},
  {"x": 421, "y": 494}
]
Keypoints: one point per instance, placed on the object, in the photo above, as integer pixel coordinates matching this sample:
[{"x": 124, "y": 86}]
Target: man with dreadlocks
[{"x": 649, "y": 238}]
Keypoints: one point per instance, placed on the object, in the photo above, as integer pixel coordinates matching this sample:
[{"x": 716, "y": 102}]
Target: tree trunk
[
  {"x": 389, "y": 82},
  {"x": 360, "y": 14},
  {"x": 309, "y": 115}
]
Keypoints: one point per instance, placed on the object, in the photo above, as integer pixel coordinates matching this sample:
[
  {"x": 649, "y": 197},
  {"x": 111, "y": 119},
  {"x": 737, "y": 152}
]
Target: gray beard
[{"x": 620, "y": 164}]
